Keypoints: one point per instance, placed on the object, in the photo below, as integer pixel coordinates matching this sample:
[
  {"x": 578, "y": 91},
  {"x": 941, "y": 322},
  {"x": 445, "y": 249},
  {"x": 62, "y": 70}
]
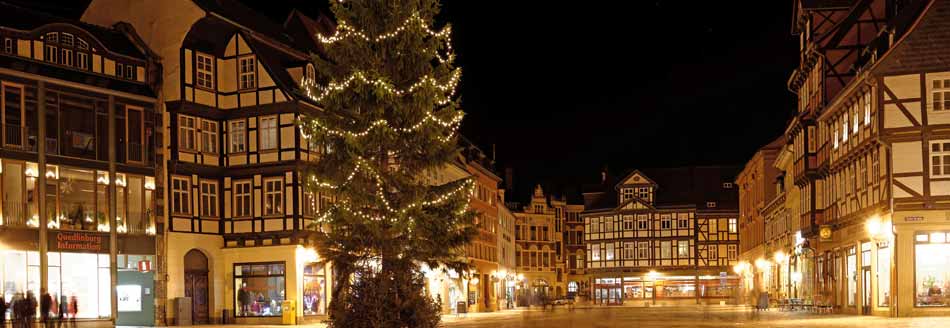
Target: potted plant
[{"x": 930, "y": 284}]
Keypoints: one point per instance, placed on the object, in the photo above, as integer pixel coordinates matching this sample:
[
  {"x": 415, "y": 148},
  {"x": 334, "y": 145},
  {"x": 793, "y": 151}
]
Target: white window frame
[
  {"x": 268, "y": 134},
  {"x": 682, "y": 249},
  {"x": 8, "y": 45},
  {"x": 666, "y": 250},
  {"x": 643, "y": 223},
  {"x": 629, "y": 250},
  {"x": 209, "y": 198},
  {"x": 628, "y": 222},
  {"x": 208, "y": 139},
  {"x": 204, "y": 71},
  {"x": 52, "y": 53},
  {"x": 733, "y": 225},
  {"x": 66, "y": 56},
  {"x": 711, "y": 204},
  {"x": 627, "y": 193},
  {"x": 181, "y": 195},
  {"x": 243, "y": 199},
  {"x": 682, "y": 223},
  {"x": 732, "y": 252},
  {"x": 82, "y": 60},
  {"x": 187, "y": 132},
  {"x": 940, "y": 158},
  {"x": 237, "y": 136},
  {"x": 940, "y": 95},
  {"x": 609, "y": 252},
  {"x": 713, "y": 252},
  {"x": 247, "y": 72},
  {"x": 666, "y": 223},
  {"x": 643, "y": 250},
  {"x": 595, "y": 252},
  {"x": 643, "y": 193},
  {"x": 273, "y": 196}
]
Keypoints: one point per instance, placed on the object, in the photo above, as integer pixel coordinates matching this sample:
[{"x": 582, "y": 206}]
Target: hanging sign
[
  {"x": 145, "y": 266},
  {"x": 78, "y": 242}
]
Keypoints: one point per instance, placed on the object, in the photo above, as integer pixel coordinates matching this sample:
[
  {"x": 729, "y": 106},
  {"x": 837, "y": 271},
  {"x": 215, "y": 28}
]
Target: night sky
[{"x": 563, "y": 90}]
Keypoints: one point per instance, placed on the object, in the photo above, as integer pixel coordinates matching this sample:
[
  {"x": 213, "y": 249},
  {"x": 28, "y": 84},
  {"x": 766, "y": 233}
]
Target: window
[
  {"x": 711, "y": 204},
  {"x": 51, "y": 54},
  {"x": 273, "y": 196},
  {"x": 14, "y": 120},
  {"x": 666, "y": 223},
  {"x": 867, "y": 108},
  {"x": 643, "y": 250},
  {"x": 941, "y": 95},
  {"x": 237, "y": 130},
  {"x": 627, "y": 194},
  {"x": 119, "y": 70},
  {"x": 310, "y": 203},
  {"x": 310, "y": 73},
  {"x": 682, "y": 223},
  {"x": 314, "y": 289},
  {"x": 8, "y": 45},
  {"x": 135, "y": 134},
  {"x": 713, "y": 252},
  {"x": 209, "y": 136},
  {"x": 248, "y": 77},
  {"x": 682, "y": 249},
  {"x": 83, "y": 45},
  {"x": 66, "y": 57},
  {"x": 727, "y": 185},
  {"x": 595, "y": 252},
  {"x": 643, "y": 193},
  {"x": 844, "y": 128},
  {"x": 181, "y": 188},
  {"x": 733, "y": 226},
  {"x": 82, "y": 60},
  {"x": 186, "y": 132},
  {"x": 130, "y": 72},
  {"x": 643, "y": 223},
  {"x": 628, "y": 251},
  {"x": 580, "y": 262},
  {"x": 268, "y": 132},
  {"x": 209, "y": 198},
  {"x": 852, "y": 276},
  {"x": 731, "y": 252},
  {"x": 204, "y": 73},
  {"x": 259, "y": 289},
  {"x": 666, "y": 249},
  {"x": 627, "y": 222},
  {"x": 242, "y": 198},
  {"x": 932, "y": 273},
  {"x": 940, "y": 159},
  {"x": 610, "y": 251},
  {"x": 884, "y": 274}
]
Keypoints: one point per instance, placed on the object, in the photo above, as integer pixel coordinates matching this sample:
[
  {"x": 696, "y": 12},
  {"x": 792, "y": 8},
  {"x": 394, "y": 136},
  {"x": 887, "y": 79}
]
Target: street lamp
[{"x": 780, "y": 257}]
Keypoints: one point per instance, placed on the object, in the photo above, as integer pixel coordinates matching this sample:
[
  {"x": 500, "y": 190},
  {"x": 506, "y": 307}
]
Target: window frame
[
  {"x": 272, "y": 196},
  {"x": 208, "y": 198},
  {"x": 251, "y": 73},
  {"x": 186, "y": 130},
  {"x": 211, "y": 134},
  {"x": 232, "y": 141},
  {"x": 246, "y": 198},
  {"x": 181, "y": 198},
  {"x": 141, "y": 127},
  {"x": 235, "y": 277},
  {"x": 3, "y": 107},
  {"x": 204, "y": 71},
  {"x": 263, "y": 131},
  {"x": 939, "y": 159},
  {"x": 943, "y": 90}
]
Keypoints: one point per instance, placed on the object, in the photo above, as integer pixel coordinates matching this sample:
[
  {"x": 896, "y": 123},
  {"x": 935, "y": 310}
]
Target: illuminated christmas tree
[{"x": 386, "y": 82}]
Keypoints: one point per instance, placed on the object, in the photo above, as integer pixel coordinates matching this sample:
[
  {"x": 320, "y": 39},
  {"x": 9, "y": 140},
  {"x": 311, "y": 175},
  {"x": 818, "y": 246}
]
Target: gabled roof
[
  {"x": 925, "y": 44},
  {"x": 677, "y": 187},
  {"x": 24, "y": 19},
  {"x": 634, "y": 203},
  {"x": 646, "y": 179}
]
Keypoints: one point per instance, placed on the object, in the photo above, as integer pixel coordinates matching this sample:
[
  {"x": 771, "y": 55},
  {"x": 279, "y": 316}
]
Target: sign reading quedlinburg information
[{"x": 79, "y": 241}]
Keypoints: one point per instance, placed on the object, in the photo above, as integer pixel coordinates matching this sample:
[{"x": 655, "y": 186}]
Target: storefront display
[
  {"x": 883, "y": 275},
  {"x": 932, "y": 269},
  {"x": 260, "y": 289},
  {"x": 84, "y": 276},
  {"x": 314, "y": 289}
]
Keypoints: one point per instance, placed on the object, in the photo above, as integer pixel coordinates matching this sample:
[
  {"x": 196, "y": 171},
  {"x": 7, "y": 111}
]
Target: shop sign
[
  {"x": 824, "y": 232},
  {"x": 78, "y": 241},
  {"x": 913, "y": 218}
]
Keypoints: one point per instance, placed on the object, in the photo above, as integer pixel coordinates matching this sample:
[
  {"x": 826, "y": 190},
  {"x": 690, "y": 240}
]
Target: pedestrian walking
[
  {"x": 61, "y": 313},
  {"x": 29, "y": 308},
  {"x": 73, "y": 309},
  {"x": 3, "y": 311},
  {"x": 46, "y": 305}
]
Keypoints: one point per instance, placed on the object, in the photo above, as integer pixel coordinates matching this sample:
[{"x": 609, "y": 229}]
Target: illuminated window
[
  {"x": 237, "y": 130},
  {"x": 682, "y": 249},
  {"x": 242, "y": 198},
  {"x": 268, "y": 131},
  {"x": 209, "y": 198},
  {"x": 733, "y": 226},
  {"x": 186, "y": 132},
  {"x": 181, "y": 188},
  {"x": 643, "y": 250},
  {"x": 273, "y": 196}
]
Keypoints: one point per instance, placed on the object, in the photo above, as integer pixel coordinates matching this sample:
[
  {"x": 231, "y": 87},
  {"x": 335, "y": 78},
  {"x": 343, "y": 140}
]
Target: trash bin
[
  {"x": 289, "y": 311},
  {"x": 226, "y": 317}
]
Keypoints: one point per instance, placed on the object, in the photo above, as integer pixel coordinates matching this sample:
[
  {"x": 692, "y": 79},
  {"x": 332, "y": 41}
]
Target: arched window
[{"x": 310, "y": 73}]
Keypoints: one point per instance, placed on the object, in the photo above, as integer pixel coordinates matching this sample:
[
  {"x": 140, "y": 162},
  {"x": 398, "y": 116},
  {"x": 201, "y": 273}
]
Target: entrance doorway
[{"x": 196, "y": 285}]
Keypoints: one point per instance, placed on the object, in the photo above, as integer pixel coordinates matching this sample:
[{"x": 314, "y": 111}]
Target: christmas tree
[{"x": 386, "y": 82}]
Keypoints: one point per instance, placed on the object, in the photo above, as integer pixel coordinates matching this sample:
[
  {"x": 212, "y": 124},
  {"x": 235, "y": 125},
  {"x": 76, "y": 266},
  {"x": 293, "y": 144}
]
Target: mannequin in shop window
[{"x": 244, "y": 298}]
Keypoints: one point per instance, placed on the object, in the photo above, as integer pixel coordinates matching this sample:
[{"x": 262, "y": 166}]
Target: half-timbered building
[
  {"x": 662, "y": 236},
  {"x": 80, "y": 181}
]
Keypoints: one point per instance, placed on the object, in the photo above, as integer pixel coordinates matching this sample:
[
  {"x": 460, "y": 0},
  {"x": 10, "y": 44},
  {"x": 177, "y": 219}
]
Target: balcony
[{"x": 23, "y": 215}]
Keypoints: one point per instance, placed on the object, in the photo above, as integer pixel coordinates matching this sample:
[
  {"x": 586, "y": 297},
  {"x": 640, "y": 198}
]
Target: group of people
[{"x": 53, "y": 313}]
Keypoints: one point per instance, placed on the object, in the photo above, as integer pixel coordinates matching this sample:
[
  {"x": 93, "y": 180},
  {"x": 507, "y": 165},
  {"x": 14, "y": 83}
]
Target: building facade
[
  {"x": 79, "y": 178},
  {"x": 507, "y": 273},
  {"x": 663, "y": 236},
  {"x": 574, "y": 252},
  {"x": 756, "y": 185},
  {"x": 537, "y": 251},
  {"x": 483, "y": 252}
]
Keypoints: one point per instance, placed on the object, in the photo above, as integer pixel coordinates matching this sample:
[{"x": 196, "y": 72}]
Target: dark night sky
[{"x": 565, "y": 89}]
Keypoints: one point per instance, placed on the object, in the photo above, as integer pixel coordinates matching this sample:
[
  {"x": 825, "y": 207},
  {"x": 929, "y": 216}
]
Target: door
[
  {"x": 866, "y": 291},
  {"x": 196, "y": 285}
]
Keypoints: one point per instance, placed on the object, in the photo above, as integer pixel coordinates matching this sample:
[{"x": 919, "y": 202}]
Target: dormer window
[
  {"x": 643, "y": 193},
  {"x": 83, "y": 45},
  {"x": 626, "y": 194},
  {"x": 204, "y": 71},
  {"x": 66, "y": 40},
  {"x": 52, "y": 37},
  {"x": 711, "y": 204},
  {"x": 247, "y": 73},
  {"x": 727, "y": 185}
]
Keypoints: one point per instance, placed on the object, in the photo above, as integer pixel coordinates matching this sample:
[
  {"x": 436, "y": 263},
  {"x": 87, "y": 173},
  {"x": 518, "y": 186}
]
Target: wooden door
[{"x": 196, "y": 285}]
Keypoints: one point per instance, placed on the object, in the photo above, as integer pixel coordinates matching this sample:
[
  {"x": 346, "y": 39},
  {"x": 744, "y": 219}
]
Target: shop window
[
  {"x": 314, "y": 289},
  {"x": 260, "y": 289},
  {"x": 932, "y": 269},
  {"x": 883, "y": 275},
  {"x": 83, "y": 276},
  {"x": 852, "y": 276},
  {"x": 78, "y": 200}
]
